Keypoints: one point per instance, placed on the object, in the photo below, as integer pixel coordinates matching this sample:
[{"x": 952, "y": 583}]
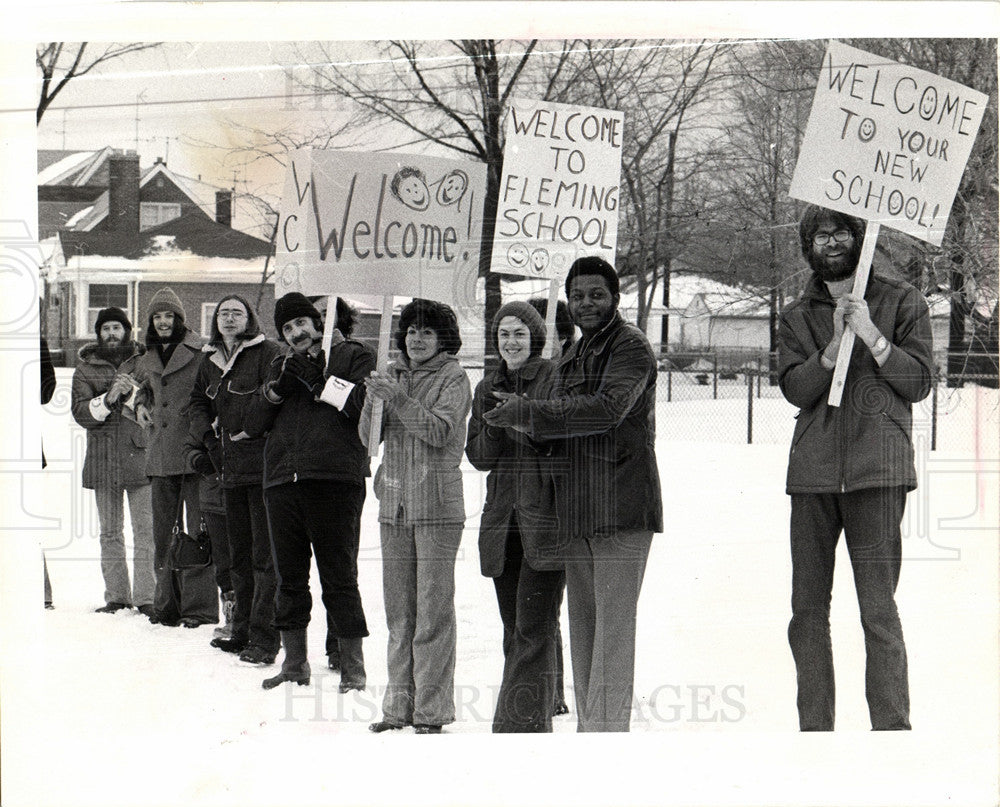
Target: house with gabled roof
[{"x": 112, "y": 234}]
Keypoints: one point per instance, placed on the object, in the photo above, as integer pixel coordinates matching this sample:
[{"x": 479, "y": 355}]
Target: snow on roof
[{"x": 64, "y": 166}]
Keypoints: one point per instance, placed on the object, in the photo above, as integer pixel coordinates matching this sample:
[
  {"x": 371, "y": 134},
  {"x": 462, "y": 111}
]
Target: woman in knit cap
[
  {"x": 517, "y": 535},
  {"x": 167, "y": 372}
]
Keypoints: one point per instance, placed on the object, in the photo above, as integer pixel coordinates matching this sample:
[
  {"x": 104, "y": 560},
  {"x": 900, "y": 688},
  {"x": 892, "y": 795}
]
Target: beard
[
  {"x": 303, "y": 344},
  {"x": 114, "y": 353},
  {"x": 839, "y": 268},
  {"x": 177, "y": 334}
]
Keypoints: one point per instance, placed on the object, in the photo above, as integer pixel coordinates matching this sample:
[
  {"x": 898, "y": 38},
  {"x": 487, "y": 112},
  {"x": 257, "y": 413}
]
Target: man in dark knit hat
[
  {"x": 850, "y": 466},
  {"x": 103, "y": 403},
  {"x": 314, "y": 482},
  {"x": 167, "y": 371}
]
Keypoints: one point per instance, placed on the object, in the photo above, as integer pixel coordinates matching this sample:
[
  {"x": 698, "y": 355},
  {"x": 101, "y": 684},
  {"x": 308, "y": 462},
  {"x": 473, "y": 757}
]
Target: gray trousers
[
  {"x": 418, "y": 585},
  {"x": 111, "y": 516},
  {"x": 603, "y": 578}
]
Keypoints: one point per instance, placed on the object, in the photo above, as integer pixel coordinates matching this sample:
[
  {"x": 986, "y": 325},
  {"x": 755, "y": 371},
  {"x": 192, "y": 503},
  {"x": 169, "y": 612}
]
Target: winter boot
[
  {"x": 228, "y": 606},
  {"x": 295, "y": 666},
  {"x": 352, "y": 666},
  {"x": 333, "y": 657}
]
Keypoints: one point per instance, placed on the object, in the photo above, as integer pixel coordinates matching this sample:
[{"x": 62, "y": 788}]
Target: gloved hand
[
  {"x": 286, "y": 383},
  {"x": 202, "y": 463},
  {"x": 308, "y": 370}
]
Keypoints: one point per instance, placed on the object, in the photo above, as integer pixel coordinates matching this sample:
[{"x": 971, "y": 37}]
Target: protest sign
[
  {"x": 886, "y": 142},
  {"x": 385, "y": 224},
  {"x": 558, "y": 196}
]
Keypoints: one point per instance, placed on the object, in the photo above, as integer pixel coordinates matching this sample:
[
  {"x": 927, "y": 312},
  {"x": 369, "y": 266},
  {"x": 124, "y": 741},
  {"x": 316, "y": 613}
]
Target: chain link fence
[{"x": 732, "y": 396}]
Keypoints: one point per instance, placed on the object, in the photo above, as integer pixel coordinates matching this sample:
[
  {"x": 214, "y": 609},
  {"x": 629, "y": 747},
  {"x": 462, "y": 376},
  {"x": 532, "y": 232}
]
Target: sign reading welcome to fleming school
[
  {"x": 558, "y": 196},
  {"x": 383, "y": 224},
  {"x": 886, "y": 142}
]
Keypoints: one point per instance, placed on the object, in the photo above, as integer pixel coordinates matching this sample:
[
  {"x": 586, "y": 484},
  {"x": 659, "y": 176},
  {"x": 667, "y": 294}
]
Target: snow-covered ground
[{"x": 111, "y": 710}]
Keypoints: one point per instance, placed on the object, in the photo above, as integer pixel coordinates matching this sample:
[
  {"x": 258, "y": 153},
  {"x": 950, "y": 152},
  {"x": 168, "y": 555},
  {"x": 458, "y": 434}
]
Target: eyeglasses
[
  {"x": 228, "y": 314},
  {"x": 822, "y": 239}
]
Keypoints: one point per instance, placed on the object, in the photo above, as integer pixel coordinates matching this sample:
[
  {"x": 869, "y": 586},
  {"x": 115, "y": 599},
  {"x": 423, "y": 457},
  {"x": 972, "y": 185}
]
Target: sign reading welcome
[
  {"x": 886, "y": 142},
  {"x": 559, "y": 189},
  {"x": 385, "y": 224}
]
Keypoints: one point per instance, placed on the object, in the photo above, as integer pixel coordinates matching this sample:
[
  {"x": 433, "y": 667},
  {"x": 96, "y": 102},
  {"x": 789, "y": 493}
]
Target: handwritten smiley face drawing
[
  {"x": 540, "y": 260},
  {"x": 452, "y": 187},
  {"x": 410, "y": 187},
  {"x": 517, "y": 256},
  {"x": 928, "y": 103},
  {"x": 866, "y": 131}
]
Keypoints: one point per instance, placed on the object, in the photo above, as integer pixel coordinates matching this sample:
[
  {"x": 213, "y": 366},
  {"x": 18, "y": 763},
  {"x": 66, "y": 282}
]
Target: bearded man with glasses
[{"x": 850, "y": 466}]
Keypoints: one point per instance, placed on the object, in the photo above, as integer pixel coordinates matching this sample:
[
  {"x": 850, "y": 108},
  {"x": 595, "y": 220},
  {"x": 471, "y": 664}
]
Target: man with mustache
[
  {"x": 314, "y": 482},
  {"x": 850, "y": 466},
  {"x": 167, "y": 370},
  {"x": 103, "y": 393}
]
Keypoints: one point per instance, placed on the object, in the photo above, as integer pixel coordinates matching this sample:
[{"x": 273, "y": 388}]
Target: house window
[
  {"x": 152, "y": 214},
  {"x": 207, "y": 309},
  {"x": 104, "y": 295}
]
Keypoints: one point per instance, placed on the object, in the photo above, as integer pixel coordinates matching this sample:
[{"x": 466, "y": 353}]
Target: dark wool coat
[
  {"x": 519, "y": 475},
  {"x": 601, "y": 412},
  {"x": 116, "y": 445},
  {"x": 220, "y": 407},
  {"x": 866, "y": 441},
  {"x": 310, "y": 439},
  {"x": 169, "y": 392}
]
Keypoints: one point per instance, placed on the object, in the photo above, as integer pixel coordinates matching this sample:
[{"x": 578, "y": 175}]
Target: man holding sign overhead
[{"x": 851, "y": 465}]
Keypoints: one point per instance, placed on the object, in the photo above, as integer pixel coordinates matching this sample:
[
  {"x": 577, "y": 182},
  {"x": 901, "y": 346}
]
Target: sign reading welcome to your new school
[
  {"x": 385, "y": 224},
  {"x": 886, "y": 142},
  {"x": 558, "y": 196}
]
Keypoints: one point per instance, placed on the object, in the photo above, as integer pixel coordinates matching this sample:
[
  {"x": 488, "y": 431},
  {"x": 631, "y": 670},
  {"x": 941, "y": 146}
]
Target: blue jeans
[
  {"x": 111, "y": 516},
  {"x": 418, "y": 586},
  {"x": 252, "y": 568},
  {"x": 529, "y": 608},
  {"x": 870, "y": 521}
]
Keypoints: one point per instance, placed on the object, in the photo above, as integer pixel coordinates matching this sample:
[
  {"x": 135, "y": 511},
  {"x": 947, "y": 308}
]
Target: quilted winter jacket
[
  {"x": 519, "y": 475},
  {"x": 170, "y": 392},
  {"x": 601, "y": 413},
  {"x": 116, "y": 444},
  {"x": 424, "y": 435},
  {"x": 220, "y": 407},
  {"x": 310, "y": 439},
  {"x": 866, "y": 441}
]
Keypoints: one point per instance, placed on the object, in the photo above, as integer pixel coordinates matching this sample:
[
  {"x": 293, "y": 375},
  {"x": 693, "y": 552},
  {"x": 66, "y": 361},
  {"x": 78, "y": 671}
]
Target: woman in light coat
[{"x": 426, "y": 397}]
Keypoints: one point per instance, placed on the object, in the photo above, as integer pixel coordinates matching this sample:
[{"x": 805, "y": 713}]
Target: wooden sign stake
[
  {"x": 382, "y": 363},
  {"x": 847, "y": 341},
  {"x": 552, "y": 347}
]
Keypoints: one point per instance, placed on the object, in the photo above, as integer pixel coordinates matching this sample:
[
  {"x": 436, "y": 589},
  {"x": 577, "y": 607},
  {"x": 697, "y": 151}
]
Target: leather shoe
[
  {"x": 230, "y": 645},
  {"x": 111, "y": 608}
]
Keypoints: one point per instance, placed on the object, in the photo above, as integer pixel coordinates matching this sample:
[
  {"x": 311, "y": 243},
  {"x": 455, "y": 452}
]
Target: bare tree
[
  {"x": 658, "y": 85},
  {"x": 449, "y": 95},
  {"x": 61, "y": 62}
]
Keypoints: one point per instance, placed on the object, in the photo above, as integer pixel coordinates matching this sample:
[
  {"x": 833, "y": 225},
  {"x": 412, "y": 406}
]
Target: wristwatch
[{"x": 881, "y": 345}]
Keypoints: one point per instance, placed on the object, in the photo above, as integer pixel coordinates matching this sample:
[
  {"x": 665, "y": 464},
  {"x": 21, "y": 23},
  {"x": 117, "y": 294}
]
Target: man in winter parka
[
  {"x": 314, "y": 481},
  {"x": 103, "y": 402},
  {"x": 850, "y": 466},
  {"x": 167, "y": 371},
  {"x": 235, "y": 364},
  {"x": 600, "y": 418}
]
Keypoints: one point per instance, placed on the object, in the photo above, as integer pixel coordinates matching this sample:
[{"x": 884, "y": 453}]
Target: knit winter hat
[
  {"x": 165, "y": 300},
  {"x": 529, "y": 316},
  {"x": 292, "y": 306},
  {"x": 111, "y": 315}
]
